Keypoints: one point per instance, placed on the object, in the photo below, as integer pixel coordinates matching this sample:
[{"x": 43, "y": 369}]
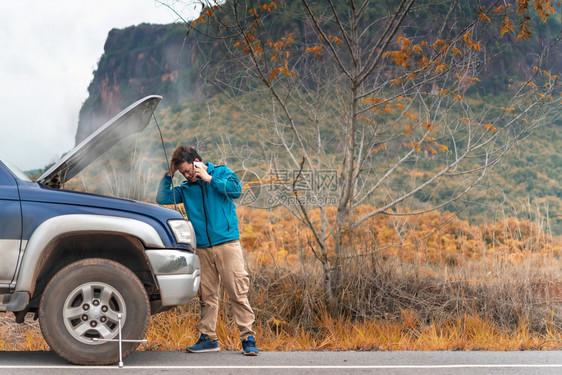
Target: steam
[{"x": 132, "y": 169}]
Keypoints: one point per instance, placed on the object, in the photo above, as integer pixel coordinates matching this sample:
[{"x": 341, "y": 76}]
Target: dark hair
[{"x": 184, "y": 153}]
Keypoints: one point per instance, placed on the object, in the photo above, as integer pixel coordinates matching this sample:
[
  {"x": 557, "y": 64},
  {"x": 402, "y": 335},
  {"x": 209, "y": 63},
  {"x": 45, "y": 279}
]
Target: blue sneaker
[
  {"x": 249, "y": 346},
  {"x": 204, "y": 345}
]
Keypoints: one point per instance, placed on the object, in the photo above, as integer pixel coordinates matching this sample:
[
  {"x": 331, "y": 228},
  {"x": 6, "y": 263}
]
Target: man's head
[{"x": 183, "y": 158}]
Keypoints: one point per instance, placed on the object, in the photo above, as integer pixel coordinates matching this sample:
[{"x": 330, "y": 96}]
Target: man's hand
[
  {"x": 201, "y": 172},
  {"x": 172, "y": 170}
]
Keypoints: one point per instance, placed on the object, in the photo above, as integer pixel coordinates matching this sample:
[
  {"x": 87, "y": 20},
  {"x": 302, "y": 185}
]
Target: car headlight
[{"x": 183, "y": 232}]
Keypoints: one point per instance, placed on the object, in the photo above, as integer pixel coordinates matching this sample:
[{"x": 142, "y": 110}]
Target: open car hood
[{"x": 133, "y": 119}]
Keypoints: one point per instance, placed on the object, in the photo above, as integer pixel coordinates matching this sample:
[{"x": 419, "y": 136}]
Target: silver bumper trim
[
  {"x": 177, "y": 273},
  {"x": 178, "y": 289}
]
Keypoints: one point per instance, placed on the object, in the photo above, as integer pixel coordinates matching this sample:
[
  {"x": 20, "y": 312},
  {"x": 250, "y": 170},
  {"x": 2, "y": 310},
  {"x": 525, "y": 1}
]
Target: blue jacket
[{"x": 209, "y": 206}]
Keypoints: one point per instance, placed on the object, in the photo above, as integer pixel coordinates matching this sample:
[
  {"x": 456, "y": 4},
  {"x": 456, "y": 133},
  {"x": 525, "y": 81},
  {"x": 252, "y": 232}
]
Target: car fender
[{"x": 54, "y": 227}]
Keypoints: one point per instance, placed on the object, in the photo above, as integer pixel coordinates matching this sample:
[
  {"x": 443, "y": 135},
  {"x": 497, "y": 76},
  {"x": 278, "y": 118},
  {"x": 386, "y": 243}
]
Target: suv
[{"x": 79, "y": 260}]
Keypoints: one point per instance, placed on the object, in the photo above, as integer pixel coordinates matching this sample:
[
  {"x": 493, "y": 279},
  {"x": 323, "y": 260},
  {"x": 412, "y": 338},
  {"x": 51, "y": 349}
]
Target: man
[{"x": 207, "y": 195}]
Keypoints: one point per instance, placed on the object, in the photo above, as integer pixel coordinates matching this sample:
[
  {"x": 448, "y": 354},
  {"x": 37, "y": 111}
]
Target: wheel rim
[{"x": 91, "y": 311}]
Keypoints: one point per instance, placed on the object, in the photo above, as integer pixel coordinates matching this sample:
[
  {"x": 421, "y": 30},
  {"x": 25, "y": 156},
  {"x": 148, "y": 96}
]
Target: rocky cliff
[{"x": 137, "y": 61}]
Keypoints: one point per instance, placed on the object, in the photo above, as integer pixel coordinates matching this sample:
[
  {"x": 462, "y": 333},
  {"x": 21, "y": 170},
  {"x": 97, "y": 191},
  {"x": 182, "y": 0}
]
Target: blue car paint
[
  {"x": 10, "y": 219},
  {"x": 40, "y": 203}
]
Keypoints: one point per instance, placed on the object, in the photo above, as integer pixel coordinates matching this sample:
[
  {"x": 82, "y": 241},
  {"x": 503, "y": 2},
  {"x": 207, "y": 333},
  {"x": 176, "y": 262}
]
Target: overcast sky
[{"x": 49, "y": 50}]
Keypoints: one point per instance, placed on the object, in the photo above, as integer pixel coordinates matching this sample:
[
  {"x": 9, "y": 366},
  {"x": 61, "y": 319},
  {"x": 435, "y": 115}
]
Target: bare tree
[{"x": 393, "y": 96}]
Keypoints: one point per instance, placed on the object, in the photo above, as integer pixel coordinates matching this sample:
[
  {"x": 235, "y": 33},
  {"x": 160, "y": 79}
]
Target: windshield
[{"x": 19, "y": 174}]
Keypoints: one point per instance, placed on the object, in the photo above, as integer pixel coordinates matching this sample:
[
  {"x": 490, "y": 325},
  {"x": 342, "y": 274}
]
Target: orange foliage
[
  {"x": 317, "y": 50},
  {"x": 278, "y": 237}
]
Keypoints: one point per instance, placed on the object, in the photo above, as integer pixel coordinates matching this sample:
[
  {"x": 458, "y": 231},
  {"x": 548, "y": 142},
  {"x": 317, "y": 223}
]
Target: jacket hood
[{"x": 134, "y": 119}]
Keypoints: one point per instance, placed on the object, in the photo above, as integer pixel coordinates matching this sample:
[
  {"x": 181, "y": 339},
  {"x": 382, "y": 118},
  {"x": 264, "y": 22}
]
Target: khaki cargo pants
[{"x": 224, "y": 263}]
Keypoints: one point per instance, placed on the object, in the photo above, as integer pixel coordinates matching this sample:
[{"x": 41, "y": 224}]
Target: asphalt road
[{"x": 473, "y": 363}]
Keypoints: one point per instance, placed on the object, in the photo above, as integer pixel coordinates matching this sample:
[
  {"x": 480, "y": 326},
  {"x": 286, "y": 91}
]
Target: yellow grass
[{"x": 176, "y": 329}]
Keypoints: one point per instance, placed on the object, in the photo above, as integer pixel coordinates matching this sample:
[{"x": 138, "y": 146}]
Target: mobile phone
[{"x": 197, "y": 165}]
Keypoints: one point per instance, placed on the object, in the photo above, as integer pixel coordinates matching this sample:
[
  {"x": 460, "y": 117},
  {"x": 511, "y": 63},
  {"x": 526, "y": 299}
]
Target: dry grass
[
  {"x": 26, "y": 336},
  {"x": 496, "y": 287},
  {"x": 176, "y": 329}
]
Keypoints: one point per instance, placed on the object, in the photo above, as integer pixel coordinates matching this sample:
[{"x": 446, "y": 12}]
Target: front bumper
[{"x": 177, "y": 273}]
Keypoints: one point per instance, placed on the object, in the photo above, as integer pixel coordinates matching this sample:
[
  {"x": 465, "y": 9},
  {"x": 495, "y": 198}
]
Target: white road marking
[{"x": 304, "y": 367}]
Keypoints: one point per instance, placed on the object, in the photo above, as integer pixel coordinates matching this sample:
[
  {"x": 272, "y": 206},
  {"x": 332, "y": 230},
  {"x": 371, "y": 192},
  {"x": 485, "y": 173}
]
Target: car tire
[{"x": 83, "y": 301}]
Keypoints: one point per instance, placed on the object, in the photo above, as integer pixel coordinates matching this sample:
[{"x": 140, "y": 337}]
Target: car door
[{"x": 10, "y": 227}]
